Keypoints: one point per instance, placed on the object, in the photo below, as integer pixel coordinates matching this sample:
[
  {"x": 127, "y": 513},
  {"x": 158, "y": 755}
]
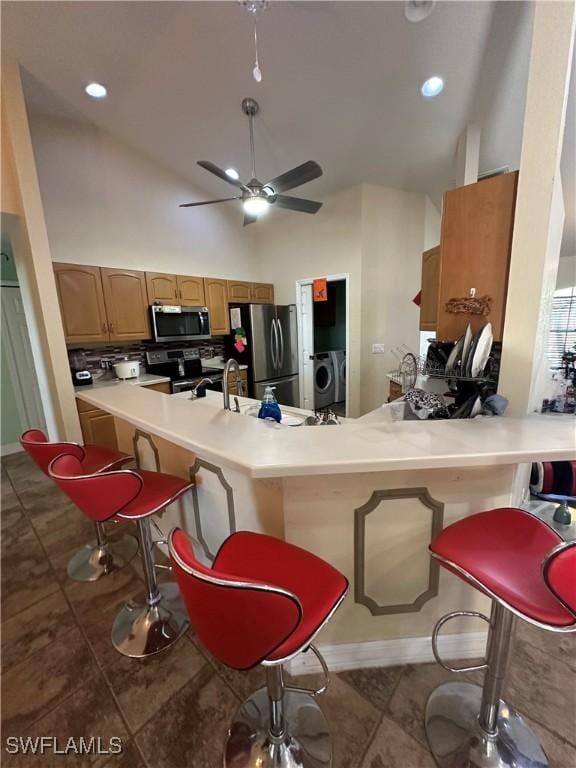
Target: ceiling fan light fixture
[{"x": 255, "y": 206}]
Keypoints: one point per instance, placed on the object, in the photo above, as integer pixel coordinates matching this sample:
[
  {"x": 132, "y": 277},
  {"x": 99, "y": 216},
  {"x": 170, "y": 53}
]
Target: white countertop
[
  {"x": 144, "y": 380},
  {"x": 266, "y": 449}
]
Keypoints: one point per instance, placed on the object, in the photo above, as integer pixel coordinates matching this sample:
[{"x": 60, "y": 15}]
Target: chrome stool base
[
  {"x": 94, "y": 561},
  {"x": 141, "y": 630},
  {"x": 305, "y": 744},
  {"x": 457, "y": 741}
]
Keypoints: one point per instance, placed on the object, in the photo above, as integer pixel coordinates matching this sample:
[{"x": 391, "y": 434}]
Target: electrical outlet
[{"x": 378, "y": 349}]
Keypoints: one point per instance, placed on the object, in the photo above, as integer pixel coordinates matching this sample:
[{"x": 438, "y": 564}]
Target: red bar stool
[
  {"x": 101, "y": 557},
  {"x": 262, "y": 602},
  {"x": 147, "y": 626},
  {"x": 530, "y": 573}
]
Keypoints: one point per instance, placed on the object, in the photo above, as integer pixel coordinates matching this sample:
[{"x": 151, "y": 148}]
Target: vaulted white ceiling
[{"x": 341, "y": 83}]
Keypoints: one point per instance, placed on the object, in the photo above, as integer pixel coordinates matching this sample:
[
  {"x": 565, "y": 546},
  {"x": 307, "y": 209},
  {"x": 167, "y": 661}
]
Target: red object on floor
[
  {"x": 93, "y": 458},
  {"x": 504, "y": 551},
  {"x": 121, "y": 493},
  {"x": 262, "y": 600}
]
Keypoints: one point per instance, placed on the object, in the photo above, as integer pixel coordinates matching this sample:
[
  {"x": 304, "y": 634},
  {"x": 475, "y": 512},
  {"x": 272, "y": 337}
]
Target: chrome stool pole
[
  {"x": 102, "y": 557},
  {"x": 471, "y": 726},
  {"x": 143, "y": 628},
  {"x": 280, "y": 727}
]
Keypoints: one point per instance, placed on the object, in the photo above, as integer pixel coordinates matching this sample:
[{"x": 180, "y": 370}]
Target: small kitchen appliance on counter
[
  {"x": 81, "y": 376},
  {"x": 127, "y": 369},
  {"x": 184, "y": 368}
]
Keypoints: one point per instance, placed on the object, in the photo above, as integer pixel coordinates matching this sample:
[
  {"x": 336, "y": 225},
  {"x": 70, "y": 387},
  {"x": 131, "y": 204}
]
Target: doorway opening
[
  {"x": 21, "y": 405},
  {"x": 323, "y": 330}
]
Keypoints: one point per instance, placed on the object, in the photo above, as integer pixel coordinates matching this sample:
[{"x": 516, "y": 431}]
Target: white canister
[{"x": 127, "y": 369}]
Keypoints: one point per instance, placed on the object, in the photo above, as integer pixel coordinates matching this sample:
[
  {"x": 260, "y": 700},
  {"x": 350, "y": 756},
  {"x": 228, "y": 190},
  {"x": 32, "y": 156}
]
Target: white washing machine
[
  {"x": 339, "y": 365},
  {"x": 324, "y": 380}
]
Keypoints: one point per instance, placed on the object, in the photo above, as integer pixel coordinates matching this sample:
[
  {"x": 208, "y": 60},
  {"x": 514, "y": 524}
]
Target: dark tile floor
[{"x": 61, "y": 676}]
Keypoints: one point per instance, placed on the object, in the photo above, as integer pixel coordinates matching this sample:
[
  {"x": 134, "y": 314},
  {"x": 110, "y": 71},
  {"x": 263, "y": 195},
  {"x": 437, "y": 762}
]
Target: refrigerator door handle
[
  {"x": 281, "y": 364},
  {"x": 274, "y": 344}
]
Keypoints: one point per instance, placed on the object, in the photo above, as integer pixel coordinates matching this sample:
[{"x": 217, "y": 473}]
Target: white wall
[
  {"x": 566, "y": 277},
  {"x": 109, "y": 204},
  {"x": 377, "y": 236},
  {"x": 393, "y": 238}
]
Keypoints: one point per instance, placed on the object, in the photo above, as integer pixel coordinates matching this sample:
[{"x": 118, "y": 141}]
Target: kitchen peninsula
[{"x": 366, "y": 496}]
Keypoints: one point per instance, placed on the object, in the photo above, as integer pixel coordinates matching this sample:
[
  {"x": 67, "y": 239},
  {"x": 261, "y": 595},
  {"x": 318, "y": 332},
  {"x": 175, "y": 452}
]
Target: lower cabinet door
[{"x": 98, "y": 429}]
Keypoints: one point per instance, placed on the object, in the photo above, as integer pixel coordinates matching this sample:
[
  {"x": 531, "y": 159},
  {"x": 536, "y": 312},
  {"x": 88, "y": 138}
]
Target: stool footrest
[
  {"x": 325, "y": 672},
  {"x": 439, "y": 624}
]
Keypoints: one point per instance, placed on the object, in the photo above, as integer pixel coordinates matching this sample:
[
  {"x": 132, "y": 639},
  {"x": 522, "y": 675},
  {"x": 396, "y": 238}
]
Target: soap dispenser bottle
[{"x": 270, "y": 408}]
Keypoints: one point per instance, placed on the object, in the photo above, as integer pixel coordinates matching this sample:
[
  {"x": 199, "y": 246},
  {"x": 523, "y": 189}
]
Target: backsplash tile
[{"x": 90, "y": 357}]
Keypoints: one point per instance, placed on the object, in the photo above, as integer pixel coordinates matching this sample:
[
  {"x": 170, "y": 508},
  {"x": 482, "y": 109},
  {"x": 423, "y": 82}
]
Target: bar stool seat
[
  {"x": 153, "y": 623},
  {"x": 263, "y": 558},
  {"x": 103, "y": 556},
  {"x": 262, "y": 602},
  {"x": 530, "y": 573},
  {"x": 502, "y": 552}
]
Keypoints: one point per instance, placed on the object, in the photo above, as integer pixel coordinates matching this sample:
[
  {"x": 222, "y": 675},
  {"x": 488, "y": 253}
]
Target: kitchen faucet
[{"x": 230, "y": 364}]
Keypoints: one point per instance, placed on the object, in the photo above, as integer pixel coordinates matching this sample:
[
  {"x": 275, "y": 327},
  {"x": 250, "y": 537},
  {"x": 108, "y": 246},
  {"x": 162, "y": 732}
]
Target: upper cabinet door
[
  {"x": 191, "y": 291},
  {"x": 262, "y": 293},
  {"x": 162, "y": 288},
  {"x": 216, "y": 292},
  {"x": 239, "y": 292},
  {"x": 477, "y": 224},
  {"x": 126, "y": 304},
  {"x": 430, "y": 284},
  {"x": 81, "y": 303}
]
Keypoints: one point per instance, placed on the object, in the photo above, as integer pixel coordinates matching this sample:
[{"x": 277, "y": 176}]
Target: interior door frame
[
  {"x": 16, "y": 375},
  {"x": 304, "y": 283}
]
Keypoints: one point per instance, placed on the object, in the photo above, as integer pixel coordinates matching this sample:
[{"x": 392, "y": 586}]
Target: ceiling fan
[{"x": 257, "y": 197}]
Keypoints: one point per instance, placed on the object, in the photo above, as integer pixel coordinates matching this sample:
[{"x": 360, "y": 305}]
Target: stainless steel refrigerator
[{"x": 271, "y": 353}]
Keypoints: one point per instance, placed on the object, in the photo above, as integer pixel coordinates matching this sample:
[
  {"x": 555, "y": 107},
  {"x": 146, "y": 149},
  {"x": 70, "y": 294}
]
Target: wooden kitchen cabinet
[
  {"x": 82, "y": 304},
  {"x": 262, "y": 293},
  {"x": 477, "y": 225},
  {"x": 97, "y": 426},
  {"x": 191, "y": 291},
  {"x": 216, "y": 294},
  {"x": 162, "y": 288},
  {"x": 126, "y": 302},
  {"x": 239, "y": 292},
  {"x": 233, "y": 386},
  {"x": 163, "y": 387},
  {"x": 429, "y": 290}
]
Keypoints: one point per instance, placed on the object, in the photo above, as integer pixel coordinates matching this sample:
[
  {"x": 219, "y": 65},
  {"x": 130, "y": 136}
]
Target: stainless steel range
[{"x": 184, "y": 368}]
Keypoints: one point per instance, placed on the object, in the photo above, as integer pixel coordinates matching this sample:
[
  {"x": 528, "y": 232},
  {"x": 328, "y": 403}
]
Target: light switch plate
[{"x": 378, "y": 349}]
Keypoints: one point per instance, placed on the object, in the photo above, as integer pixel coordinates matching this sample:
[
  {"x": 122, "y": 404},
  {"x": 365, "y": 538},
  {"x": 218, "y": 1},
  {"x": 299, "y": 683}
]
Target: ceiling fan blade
[
  {"x": 209, "y": 202},
  {"x": 297, "y": 176},
  {"x": 208, "y": 166},
  {"x": 249, "y": 219},
  {"x": 297, "y": 204}
]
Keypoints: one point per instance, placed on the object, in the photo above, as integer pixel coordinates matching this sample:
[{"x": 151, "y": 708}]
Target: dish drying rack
[{"x": 412, "y": 365}]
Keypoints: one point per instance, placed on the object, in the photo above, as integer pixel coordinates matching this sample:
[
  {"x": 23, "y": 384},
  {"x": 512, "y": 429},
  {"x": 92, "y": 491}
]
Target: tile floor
[{"x": 61, "y": 676}]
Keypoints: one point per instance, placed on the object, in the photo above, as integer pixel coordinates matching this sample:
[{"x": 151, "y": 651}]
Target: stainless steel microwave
[{"x": 170, "y": 323}]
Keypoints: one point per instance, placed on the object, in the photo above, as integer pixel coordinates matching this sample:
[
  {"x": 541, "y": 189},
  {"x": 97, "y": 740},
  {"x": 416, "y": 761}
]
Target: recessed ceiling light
[
  {"x": 254, "y": 206},
  {"x": 432, "y": 87},
  {"x": 418, "y": 10},
  {"x": 96, "y": 90},
  {"x": 232, "y": 173}
]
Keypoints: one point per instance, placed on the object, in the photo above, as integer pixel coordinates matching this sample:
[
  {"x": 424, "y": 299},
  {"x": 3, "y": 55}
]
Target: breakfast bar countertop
[
  {"x": 144, "y": 380},
  {"x": 265, "y": 449}
]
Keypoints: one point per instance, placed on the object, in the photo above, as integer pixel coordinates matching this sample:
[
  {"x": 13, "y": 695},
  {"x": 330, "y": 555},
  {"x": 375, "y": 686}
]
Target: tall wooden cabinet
[
  {"x": 126, "y": 304},
  {"x": 430, "y": 285},
  {"x": 477, "y": 224},
  {"x": 81, "y": 303},
  {"x": 216, "y": 291}
]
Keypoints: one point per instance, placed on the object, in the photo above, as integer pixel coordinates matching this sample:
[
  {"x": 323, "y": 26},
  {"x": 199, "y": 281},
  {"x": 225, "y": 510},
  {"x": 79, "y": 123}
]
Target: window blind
[{"x": 562, "y": 336}]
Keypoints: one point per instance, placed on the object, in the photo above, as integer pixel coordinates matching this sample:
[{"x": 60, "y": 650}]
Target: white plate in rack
[
  {"x": 482, "y": 351},
  {"x": 466, "y": 349}
]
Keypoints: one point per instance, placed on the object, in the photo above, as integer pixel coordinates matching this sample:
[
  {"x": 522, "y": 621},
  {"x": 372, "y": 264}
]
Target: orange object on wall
[{"x": 320, "y": 290}]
